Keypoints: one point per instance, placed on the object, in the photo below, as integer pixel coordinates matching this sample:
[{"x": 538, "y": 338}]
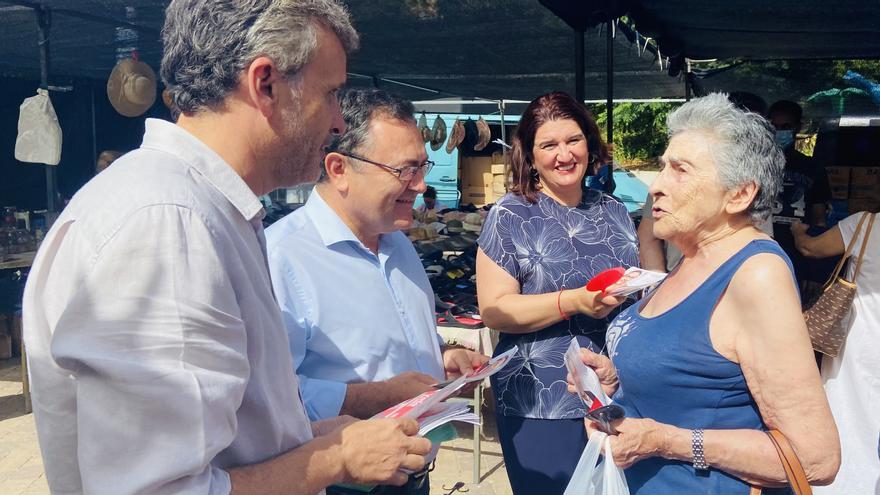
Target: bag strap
[
  {"x": 847, "y": 253},
  {"x": 864, "y": 245},
  {"x": 797, "y": 477}
]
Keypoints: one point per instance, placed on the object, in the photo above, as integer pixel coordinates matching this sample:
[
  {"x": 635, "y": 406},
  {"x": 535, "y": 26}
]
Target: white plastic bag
[
  {"x": 597, "y": 478},
  {"x": 39, "y": 134}
]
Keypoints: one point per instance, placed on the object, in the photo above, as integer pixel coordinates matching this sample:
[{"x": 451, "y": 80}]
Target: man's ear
[
  {"x": 739, "y": 199},
  {"x": 262, "y": 82},
  {"x": 338, "y": 170}
]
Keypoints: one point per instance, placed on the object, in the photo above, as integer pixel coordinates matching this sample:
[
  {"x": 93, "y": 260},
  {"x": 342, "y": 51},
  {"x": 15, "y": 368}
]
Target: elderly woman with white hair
[{"x": 719, "y": 352}]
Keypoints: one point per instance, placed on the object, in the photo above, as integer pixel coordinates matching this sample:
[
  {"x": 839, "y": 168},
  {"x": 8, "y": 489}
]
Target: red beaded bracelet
[{"x": 559, "y": 305}]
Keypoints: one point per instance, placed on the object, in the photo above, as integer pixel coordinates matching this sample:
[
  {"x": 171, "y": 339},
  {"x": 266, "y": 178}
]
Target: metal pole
[
  {"x": 688, "y": 83},
  {"x": 44, "y": 22},
  {"x": 94, "y": 124},
  {"x": 579, "y": 66},
  {"x": 503, "y": 130},
  {"x": 609, "y": 81}
]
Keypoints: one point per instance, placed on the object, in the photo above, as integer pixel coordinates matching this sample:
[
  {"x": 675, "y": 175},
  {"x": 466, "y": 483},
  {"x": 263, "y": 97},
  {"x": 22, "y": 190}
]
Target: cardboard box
[
  {"x": 864, "y": 191},
  {"x": 839, "y": 192},
  {"x": 478, "y": 196},
  {"x": 864, "y": 204},
  {"x": 499, "y": 184},
  {"x": 865, "y": 175},
  {"x": 498, "y": 168},
  {"x": 838, "y": 176},
  {"x": 472, "y": 170},
  {"x": 488, "y": 179},
  {"x": 864, "y": 182}
]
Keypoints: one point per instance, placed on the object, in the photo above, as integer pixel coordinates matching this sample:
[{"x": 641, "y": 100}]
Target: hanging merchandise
[
  {"x": 424, "y": 129},
  {"x": 39, "y": 134},
  {"x": 456, "y": 137},
  {"x": 131, "y": 87},
  {"x": 484, "y": 133},
  {"x": 438, "y": 133}
]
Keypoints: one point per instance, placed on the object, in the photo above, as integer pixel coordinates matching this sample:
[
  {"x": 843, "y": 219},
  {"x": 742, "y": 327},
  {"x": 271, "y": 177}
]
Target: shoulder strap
[
  {"x": 848, "y": 252},
  {"x": 864, "y": 245},
  {"x": 797, "y": 478}
]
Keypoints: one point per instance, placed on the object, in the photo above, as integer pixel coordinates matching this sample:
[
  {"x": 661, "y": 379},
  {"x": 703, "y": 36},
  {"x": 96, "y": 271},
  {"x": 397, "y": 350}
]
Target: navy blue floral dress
[{"x": 546, "y": 247}]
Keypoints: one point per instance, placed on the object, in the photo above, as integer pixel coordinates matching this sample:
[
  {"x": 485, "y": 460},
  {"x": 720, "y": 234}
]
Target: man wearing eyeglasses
[{"x": 355, "y": 298}]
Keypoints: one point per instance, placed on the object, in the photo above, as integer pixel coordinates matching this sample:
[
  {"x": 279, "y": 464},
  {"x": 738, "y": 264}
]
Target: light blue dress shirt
[{"x": 351, "y": 316}]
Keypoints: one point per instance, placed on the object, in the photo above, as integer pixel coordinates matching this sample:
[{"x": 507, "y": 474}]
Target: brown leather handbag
[
  {"x": 826, "y": 318},
  {"x": 797, "y": 478}
]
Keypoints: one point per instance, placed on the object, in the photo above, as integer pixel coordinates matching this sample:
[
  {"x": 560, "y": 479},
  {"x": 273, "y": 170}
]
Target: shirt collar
[
  {"x": 332, "y": 229},
  {"x": 170, "y": 138}
]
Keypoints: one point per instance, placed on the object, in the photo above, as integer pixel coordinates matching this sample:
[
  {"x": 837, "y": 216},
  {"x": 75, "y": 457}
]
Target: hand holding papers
[
  {"x": 430, "y": 410},
  {"x": 589, "y": 389},
  {"x": 620, "y": 282}
]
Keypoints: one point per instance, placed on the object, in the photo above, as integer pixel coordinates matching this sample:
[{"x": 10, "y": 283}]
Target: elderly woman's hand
[
  {"x": 636, "y": 439},
  {"x": 604, "y": 370}
]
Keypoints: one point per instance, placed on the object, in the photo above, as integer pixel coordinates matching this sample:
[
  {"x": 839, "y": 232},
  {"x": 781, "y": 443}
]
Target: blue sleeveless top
[{"x": 669, "y": 372}]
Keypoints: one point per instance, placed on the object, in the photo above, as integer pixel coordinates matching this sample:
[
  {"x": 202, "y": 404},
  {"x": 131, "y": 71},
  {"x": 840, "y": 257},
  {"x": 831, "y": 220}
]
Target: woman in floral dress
[{"x": 539, "y": 246}]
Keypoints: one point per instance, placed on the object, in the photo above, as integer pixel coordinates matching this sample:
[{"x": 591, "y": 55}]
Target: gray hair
[
  {"x": 208, "y": 43},
  {"x": 746, "y": 150},
  {"x": 359, "y": 107}
]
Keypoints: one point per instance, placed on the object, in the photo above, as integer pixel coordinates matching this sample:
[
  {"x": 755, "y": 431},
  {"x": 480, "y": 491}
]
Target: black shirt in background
[{"x": 805, "y": 184}]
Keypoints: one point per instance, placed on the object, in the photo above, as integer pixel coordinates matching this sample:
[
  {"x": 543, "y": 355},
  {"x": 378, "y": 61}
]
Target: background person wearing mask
[{"x": 804, "y": 196}]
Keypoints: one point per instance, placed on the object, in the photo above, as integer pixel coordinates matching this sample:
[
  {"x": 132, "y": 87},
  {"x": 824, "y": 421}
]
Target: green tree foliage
[{"x": 639, "y": 130}]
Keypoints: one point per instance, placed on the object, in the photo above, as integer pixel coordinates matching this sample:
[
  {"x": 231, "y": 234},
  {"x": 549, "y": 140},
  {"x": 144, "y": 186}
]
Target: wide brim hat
[
  {"x": 438, "y": 133},
  {"x": 131, "y": 87},
  {"x": 424, "y": 129},
  {"x": 454, "y": 226},
  {"x": 456, "y": 137},
  {"x": 484, "y": 133}
]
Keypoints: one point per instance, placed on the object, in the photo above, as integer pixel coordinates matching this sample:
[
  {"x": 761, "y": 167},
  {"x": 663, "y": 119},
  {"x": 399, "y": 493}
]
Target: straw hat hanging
[
  {"x": 438, "y": 133},
  {"x": 131, "y": 87}
]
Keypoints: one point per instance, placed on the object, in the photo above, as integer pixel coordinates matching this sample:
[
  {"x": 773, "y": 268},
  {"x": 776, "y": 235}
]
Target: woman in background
[{"x": 852, "y": 379}]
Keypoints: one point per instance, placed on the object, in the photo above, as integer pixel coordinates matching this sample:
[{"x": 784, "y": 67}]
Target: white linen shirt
[
  {"x": 157, "y": 353},
  {"x": 351, "y": 315}
]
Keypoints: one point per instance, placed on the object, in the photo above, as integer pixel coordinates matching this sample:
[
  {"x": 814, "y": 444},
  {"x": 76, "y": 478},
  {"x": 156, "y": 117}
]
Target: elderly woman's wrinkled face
[
  {"x": 560, "y": 154},
  {"x": 688, "y": 197}
]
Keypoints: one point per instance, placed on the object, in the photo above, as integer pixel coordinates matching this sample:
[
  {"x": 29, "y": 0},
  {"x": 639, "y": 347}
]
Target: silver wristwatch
[{"x": 697, "y": 449}]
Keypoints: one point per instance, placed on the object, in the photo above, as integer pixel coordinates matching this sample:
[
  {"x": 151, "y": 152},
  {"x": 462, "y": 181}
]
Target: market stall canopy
[
  {"x": 422, "y": 49},
  {"x": 779, "y": 29}
]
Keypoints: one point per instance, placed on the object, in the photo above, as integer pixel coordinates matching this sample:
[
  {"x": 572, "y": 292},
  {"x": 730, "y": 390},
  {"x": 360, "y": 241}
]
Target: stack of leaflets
[
  {"x": 633, "y": 280},
  {"x": 430, "y": 410},
  {"x": 585, "y": 379},
  {"x": 432, "y": 413}
]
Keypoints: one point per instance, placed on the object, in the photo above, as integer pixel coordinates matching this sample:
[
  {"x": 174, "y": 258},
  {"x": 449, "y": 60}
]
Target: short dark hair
[
  {"x": 787, "y": 107},
  {"x": 749, "y": 102},
  {"x": 551, "y": 106},
  {"x": 359, "y": 107},
  {"x": 430, "y": 192}
]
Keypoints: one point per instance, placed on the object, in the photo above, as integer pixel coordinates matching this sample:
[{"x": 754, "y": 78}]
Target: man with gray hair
[
  {"x": 158, "y": 356},
  {"x": 344, "y": 248}
]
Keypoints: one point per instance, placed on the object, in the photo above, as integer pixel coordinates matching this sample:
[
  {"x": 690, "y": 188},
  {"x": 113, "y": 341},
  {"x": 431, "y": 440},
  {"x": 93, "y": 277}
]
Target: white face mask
[{"x": 784, "y": 138}]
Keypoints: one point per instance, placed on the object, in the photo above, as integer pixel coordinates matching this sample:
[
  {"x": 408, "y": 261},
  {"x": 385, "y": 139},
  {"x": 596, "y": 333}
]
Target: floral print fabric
[{"x": 546, "y": 247}]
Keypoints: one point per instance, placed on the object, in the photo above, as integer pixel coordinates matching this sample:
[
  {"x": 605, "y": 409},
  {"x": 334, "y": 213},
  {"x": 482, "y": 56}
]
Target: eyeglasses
[{"x": 404, "y": 174}]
